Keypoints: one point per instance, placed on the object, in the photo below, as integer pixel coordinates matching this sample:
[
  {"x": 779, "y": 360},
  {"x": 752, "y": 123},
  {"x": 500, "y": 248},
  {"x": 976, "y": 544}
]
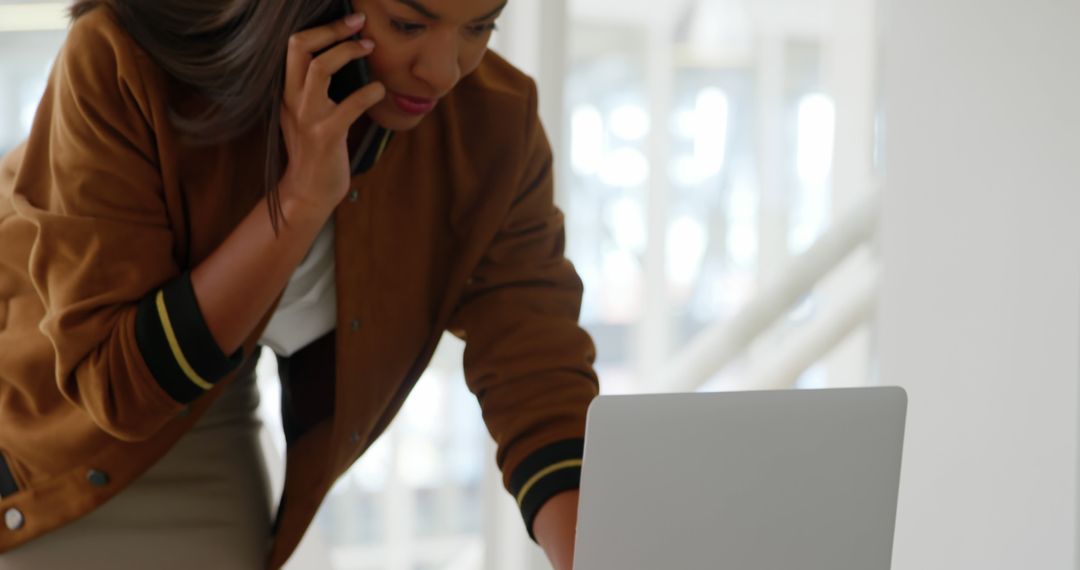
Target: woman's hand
[
  {"x": 315, "y": 128},
  {"x": 555, "y": 527}
]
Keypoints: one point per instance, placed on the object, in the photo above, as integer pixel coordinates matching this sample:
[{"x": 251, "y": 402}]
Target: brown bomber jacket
[{"x": 105, "y": 361}]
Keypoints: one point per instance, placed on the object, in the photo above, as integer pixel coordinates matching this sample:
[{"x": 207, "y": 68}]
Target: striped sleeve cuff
[
  {"x": 544, "y": 474},
  {"x": 176, "y": 343}
]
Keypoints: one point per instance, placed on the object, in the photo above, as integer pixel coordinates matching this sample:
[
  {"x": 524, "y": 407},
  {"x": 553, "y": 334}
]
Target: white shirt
[{"x": 308, "y": 307}]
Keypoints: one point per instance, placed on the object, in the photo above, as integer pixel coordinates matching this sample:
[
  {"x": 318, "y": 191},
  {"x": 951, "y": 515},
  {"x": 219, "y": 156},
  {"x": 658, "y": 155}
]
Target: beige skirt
[{"x": 205, "y": 505}]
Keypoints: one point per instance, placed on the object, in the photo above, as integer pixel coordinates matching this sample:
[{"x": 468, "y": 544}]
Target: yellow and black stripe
[
  {"x": 544, "y": 474},
  {"x": 176, "y": 343}
]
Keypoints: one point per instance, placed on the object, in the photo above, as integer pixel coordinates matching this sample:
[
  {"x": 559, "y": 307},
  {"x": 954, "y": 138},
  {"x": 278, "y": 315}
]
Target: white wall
[{"x": 980, "y": 313}]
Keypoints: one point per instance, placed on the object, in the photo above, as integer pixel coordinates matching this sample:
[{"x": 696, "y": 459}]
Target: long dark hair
[{"x": 232, "y": 53}]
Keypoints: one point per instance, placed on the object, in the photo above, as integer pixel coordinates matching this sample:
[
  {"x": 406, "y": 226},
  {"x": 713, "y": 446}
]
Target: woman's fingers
[
  {"x": 355, "y": 105},
  {"x": 305, "y": 44},
  {"x": 330, "y": 62}
]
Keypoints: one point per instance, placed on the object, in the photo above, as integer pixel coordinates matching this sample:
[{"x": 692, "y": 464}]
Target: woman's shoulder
[
  {"x": 496, "y": 101},
  {"x": 101, "y": 74},
  {"x": 100, "y": 56},
  {"x": 97, "y": 37},
  {"x": 499, "y": 79}
]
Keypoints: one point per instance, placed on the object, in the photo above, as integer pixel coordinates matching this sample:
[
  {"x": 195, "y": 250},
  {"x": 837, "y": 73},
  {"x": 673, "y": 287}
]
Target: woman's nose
[{"x": 438, "y": 66}]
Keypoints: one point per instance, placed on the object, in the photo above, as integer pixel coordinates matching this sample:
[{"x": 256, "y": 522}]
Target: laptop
[{"x": 774, "y": 480}]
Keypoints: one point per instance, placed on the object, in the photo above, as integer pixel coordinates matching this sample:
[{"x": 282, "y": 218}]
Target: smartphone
[{"x": 355, "y": 74}]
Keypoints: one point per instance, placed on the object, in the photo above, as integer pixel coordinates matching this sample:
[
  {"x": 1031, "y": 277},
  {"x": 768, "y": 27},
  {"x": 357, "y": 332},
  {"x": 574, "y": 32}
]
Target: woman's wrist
[{"x": 299, "y": 209}]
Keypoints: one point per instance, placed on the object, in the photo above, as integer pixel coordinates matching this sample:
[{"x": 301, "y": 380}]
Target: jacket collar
[{"x": 372, "y": 146}]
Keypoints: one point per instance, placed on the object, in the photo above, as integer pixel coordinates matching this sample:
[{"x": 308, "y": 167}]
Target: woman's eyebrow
[
  {"x": 427, "y": 13},
  {"x": 492, "y": 14}
]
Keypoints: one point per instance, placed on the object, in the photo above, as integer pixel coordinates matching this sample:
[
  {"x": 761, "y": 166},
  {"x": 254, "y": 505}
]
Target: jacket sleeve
[
  {"x": 130, "y": 344},
  {"x": 526, "y": 358}
]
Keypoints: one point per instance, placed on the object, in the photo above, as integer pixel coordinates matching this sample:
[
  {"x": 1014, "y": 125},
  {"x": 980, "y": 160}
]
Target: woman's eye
[
  {"x": 406, "y": 27},
  {"x": 482, "y": 29}
]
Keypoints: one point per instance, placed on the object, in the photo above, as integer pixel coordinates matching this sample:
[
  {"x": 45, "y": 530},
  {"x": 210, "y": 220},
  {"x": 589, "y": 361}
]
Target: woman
[{"x": 189, "y": 191}]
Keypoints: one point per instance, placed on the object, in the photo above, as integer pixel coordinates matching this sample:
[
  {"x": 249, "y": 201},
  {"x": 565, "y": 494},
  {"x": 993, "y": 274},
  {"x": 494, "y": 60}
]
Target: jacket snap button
[
  {"x": 14, "y": 519},
  {"x": 354, "y": 195},
  {"x": 354, "y": 325},
  {"x": 355, "y": 437},
  {"x": 97, "y": 478}
]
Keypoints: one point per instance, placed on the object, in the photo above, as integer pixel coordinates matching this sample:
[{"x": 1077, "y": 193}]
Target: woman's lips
[{"x": 413, "y": 105}]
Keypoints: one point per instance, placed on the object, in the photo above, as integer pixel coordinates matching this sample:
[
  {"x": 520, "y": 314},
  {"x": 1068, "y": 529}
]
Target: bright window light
[
  {"x": 624, "y": 168},
  {"x": 684, "y": 123},
  {"x": 687, "y": 240},
  {"x": 586, "y": 140},
  {"x": 371, "y": 473},
  {"x": 626, "y": 218},
  {"x": 419, "y": 462},
  {"x": 691, "y": 171},
  {"x": 817, "y": 128},
  {"x": 622, "y": 282},
  {"x": 707, "y": 126},
  {"x": 813, "y": 161},
  {"x": 630, "y": 122},
  {"x": 742, "y": 239},
  {"x": 710, "y": 140},
  {"x": 28, "y": 103}
]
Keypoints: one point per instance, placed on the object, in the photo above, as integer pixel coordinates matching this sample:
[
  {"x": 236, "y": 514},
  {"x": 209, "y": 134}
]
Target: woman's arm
[
  {"x": 238, "y": 282},
  {"x": 125, "y": 322},
  {"x": 526, "y": 357}
]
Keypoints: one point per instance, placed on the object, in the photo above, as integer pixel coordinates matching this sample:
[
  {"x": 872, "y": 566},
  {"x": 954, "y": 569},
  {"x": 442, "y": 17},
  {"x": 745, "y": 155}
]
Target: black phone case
[{"x": 355, "y": 74}]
